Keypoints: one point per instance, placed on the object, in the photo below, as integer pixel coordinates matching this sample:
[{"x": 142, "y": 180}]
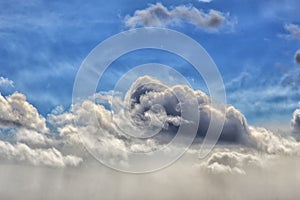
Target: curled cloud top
[{"x": 160, "y": 16}]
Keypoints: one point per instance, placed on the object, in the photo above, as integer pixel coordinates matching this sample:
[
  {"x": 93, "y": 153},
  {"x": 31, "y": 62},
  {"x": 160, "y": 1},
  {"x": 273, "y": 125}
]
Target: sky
[
  {"x": 44, "y": 43},
  {"x": 44, "y": 135}
]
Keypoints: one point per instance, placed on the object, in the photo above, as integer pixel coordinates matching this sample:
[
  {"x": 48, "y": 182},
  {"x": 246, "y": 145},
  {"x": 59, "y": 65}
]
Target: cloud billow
[
  {"x": 160, "y": 16},
  {"x": 150, "y": 105}
]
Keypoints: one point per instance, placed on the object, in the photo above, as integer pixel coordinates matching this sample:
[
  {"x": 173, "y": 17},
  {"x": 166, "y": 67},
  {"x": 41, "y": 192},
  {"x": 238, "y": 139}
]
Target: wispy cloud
[
  {"x": 5, "y": 82},
  {"x": 159, "y": 15},
  {"x": 293, "y": 31}
]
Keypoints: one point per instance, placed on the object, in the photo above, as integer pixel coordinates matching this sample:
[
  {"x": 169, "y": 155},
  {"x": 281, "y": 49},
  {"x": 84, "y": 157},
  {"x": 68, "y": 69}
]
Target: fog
[{"x": 279, "y": 178}]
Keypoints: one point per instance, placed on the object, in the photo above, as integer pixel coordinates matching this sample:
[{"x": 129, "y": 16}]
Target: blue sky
[{"x": 44, "y": 42}]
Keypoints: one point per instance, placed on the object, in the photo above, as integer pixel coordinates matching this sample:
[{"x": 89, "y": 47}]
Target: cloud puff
[
  {"x": 228, "y": 161},
  {"x": 23, "y": 134},
  {"x": 297, "y": 57},
  {"x": 293, "y": 31},
  {"x": 146, "y": 92},
  {"x": 296, "y": 120},
  {"x": 5, "y": 82},
  {"x": 159, "y": 15},
  {"x": 20, "y": 152},
  {"x": 17, "y": 112}
]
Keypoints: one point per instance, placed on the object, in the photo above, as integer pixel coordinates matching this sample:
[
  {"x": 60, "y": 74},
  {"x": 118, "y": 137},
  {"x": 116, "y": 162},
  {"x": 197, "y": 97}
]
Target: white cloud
[
  {"x": 17, "y": 112},
  {"x": 228, "y": 161},
  {"x": 231, "y": 171},
  {"x": 149, "y": 104},
  {"x": 296, "y": 121},
  {"x": 51, "y": 157},
  {"x": 5, "y": 82},
  {"x": 293, "y": 31},
  {"x": 159, "y": 15},
  {"x": 205, "y": 1},
  {"x": 28, "y": 141}
]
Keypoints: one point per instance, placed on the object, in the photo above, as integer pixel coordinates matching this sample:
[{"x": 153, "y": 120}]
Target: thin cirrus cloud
[{"x": 161, "y": 16}]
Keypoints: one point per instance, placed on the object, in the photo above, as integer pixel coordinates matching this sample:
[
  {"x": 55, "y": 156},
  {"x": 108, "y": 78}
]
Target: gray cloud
[
  {"x": 297, "y": 57},
  {"x": 296, "y": 120},
  {"x": 159, "y": 15},
  {"x": 293, "y": 31}
]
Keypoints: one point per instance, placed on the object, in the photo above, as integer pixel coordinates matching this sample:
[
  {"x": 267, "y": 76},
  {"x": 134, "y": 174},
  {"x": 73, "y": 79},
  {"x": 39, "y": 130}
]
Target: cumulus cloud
[
  {"x": 148, "y": 105},
  {"x": 151, "y": 105},
  {"x": 159, "y": 15},
  {"x": 20, "y": 152},
  {"x": 293, "y": 31},
  {"x": 24, "y": 135},
  {"x": 229, "y": 161},
  {"x": 297, "y": 57},
  {"x": 296, "y": 120},
  {"x": 17, "y": 112}
]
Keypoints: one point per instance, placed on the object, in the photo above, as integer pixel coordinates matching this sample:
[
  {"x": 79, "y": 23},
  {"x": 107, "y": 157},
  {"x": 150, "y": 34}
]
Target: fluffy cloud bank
[
  {"x": 24, "y": 135},
  {"x": 149, "y": 105},
  {"x": 159, "y": 15}
]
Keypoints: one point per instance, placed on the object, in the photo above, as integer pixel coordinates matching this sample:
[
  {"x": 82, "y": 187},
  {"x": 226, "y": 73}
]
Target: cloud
[
  {"x": 228, "y": 161},
  {"x": 17, "y": 112},
  {"x": 205, "y": 1},
  {"x": 297, "y": 57},
  {"x": 5, "y": 82},
  {"x": 6, "y": 85},
  {"x": 149, "y": 105},
  {"x": 159, "y": 15},
  {"x": 24, "y": 136},
  {"x": 20, "y": 152},
  {"x": 296, "y": 121},
  {"x": 293, "y": 31}
]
